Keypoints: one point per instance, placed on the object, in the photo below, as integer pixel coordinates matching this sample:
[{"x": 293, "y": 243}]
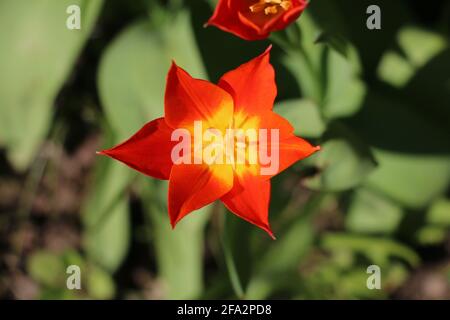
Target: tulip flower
[
  {"x": 191, "y": 145},
  {"x": 255, "y": 19}
]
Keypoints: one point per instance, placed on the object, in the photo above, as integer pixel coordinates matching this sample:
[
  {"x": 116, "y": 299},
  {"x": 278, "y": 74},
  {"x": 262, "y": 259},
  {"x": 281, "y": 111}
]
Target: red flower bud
[{"x": 255, "y": 19}]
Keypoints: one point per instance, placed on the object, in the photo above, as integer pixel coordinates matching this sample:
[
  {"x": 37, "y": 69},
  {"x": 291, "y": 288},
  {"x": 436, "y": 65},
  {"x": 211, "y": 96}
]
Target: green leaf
[
  {"x": 179, "y": 251},
  {"x": 107, "y": 242},
  {"x": 99, "y": 283},
  {"x": 343, "y": 163},
  {"x": 370, "y": 212},
  {"x": 37, "y": 53},
  {"x": 378, "y": 250},
  {"x": 439, "y": 212},
  {"x": 106, "y": 214},
  {"x": 345, "y": 92},
  {"x": 431, "y": 235},
  {"x": 412, "y": 180},
  {"x": 47, "y": 268},
  {"x": 395, "y": 70},
  {"x": 304, "y": 116},
  {"x": 398, "y": 68},
  {"x": 430, "y": 45},
  {"x": 130, "y": 78}
]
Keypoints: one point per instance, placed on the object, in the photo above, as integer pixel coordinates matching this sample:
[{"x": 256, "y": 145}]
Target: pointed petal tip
[
  {"x": 173, "y": 64},
  {"x": 271, "y": 234},
  {"x": 207, "y": 23},
  {"x": 106, "y": 152},
  {"x": 101, "y": 153},
  {"x": 317, "y": 148},
  {"x": 174, "y": 220},
  {"x": 266, "y": 52},
  {"x": 173, "y": 223},
  {"x": 269, "y": 231}
]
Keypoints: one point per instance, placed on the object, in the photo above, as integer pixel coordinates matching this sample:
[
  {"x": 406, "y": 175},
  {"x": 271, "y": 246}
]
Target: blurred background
[{"x": 377, "y": 101}]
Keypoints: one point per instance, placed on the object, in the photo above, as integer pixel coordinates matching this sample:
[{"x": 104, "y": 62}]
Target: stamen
[
  {"x": 271, "y": 10},
  {"x": 257, "y": 7},
  {"x": 285, "y": 4},
  {"x": 270, "y": 6}
]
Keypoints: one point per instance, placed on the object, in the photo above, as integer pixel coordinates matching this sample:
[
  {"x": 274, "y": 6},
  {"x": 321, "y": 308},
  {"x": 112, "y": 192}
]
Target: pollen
[{"x": 270, "y": 7}]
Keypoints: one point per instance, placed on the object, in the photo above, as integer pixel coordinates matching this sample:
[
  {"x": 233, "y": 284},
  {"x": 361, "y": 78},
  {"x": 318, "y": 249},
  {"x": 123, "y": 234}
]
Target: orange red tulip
[{"x": 241, "y": 101}]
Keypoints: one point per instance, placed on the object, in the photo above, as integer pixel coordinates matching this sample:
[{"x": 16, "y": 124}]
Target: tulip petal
[
  {"x": 249, "y": 199},
  {"x": 290, "y": 16},
  {"x": 226, "y": 18},
  {"x": 188, "y": 100},
  {"x": 271, "y": 120},
  {"x": 192, "y": 187},
  {"x": 252, "y": 85},
  {"x": 291, "y": 150},
  {"x": 147, "y": 151}
]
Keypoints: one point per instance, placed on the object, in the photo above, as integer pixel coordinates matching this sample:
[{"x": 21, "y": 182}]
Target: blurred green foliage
[
  {"x": 37, "y": 56},
  {"x": 378, "y": 103}
]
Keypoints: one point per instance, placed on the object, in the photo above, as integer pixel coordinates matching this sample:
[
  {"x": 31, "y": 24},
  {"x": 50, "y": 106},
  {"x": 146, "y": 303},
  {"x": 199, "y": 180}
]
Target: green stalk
[{"x": 235, "y": 280}]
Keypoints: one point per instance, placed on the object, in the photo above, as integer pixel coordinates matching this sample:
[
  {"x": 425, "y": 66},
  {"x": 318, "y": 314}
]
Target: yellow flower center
[
  {"x": 270, "y": 6},
  {"x": 234, "y": 146}
]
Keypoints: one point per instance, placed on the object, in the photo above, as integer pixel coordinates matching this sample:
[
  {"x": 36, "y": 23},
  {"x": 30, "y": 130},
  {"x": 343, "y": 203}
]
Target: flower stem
[{"x": 228, "y": 255}]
